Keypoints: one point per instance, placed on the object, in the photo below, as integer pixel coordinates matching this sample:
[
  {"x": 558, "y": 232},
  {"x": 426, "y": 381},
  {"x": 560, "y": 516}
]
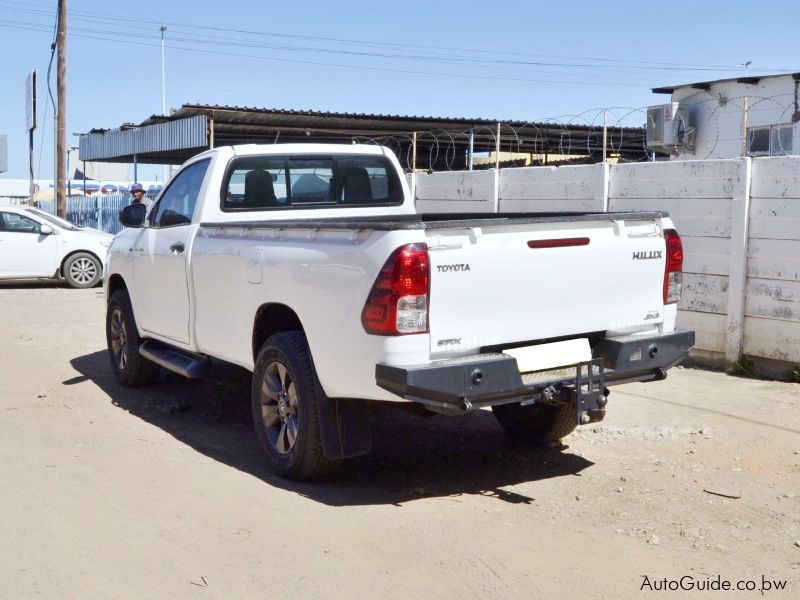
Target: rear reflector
[
  {"x": 398, "y": 301},
  {"x": 673, "y": 276},
  {"x": 559, "y": 243}
]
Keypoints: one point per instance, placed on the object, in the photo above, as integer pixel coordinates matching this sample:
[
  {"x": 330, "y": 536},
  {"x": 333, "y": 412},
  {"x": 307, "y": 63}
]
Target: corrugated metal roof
[
  {"x": 128, "y": 141},
  {"x": 224, "y": 113},
  {"x": 441, "y": 142},
  {"x": 704, "y": 85}
]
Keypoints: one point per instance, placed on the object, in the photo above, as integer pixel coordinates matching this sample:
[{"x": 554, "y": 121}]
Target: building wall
[
  {"x": 740, "y": 224},
  {"x": 718, "y": 114}
]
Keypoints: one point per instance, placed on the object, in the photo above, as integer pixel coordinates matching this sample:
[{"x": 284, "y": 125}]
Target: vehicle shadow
[
  {"x": 27, "y": 284},
  {"x": 413, "y": 457}
]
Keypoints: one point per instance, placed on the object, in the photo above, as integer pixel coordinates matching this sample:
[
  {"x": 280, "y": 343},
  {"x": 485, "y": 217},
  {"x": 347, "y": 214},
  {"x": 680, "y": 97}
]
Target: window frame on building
[{"x": 774, "y": 148}]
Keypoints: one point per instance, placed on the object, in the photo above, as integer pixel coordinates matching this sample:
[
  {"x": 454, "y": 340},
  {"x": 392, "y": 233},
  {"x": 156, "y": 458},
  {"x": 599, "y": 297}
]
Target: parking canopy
[{"x": 441, "y": 143}]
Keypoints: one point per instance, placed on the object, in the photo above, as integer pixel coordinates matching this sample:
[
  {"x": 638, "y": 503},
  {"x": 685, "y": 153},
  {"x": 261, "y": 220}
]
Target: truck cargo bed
[{"x": 437, "y": 221}]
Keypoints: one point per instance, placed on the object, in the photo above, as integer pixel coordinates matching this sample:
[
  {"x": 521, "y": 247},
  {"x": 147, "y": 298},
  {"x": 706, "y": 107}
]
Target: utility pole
[
  {"x": 30, "y": 105},
  {"x": 61, "y": 117}
]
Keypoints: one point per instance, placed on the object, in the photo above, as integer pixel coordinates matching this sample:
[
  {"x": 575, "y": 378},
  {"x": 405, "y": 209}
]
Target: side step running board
[{"x": 182, "y": 362}]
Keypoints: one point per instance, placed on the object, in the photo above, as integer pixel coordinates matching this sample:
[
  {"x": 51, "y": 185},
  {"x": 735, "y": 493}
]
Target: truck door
[{"x": 161, "y": 259}]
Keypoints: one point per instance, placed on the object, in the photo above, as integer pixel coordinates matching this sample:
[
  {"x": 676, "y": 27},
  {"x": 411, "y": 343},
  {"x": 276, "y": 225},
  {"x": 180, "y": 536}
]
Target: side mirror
[
  {"x": 133, "y": 215},
  {"x": 45, "y": 230}
]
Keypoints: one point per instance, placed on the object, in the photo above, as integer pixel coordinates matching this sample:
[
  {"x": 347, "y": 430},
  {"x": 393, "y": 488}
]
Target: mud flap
[{"x": 345, "y": 427}]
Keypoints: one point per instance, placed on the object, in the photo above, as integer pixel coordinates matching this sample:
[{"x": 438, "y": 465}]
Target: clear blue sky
[{"x": 499, "y": 60}]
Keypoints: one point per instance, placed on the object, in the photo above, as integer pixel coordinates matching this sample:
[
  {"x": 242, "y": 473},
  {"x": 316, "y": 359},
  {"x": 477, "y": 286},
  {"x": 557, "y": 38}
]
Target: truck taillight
[
  {"x": 398, "y": 301},
  {"x": 673, "y": 276}
]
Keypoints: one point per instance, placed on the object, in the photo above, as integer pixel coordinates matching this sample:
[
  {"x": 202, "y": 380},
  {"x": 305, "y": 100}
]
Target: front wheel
[
  {"x": 285, "y": 416},
  {"x": 83, "y": 270},
  {"x": 131, "y": 368}
]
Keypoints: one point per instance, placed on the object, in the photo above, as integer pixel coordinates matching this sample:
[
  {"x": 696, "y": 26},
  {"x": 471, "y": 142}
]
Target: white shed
[{"x": 728, "y": 118}]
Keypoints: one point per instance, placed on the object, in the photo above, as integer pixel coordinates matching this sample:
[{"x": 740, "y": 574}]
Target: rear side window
[
  {"x": 368, "y": 180},
  {"x": 288, "y": 182},
  {"x": 17, "y": 223}
]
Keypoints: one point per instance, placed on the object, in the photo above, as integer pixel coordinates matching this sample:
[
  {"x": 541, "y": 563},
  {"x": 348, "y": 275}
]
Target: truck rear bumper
[{"x": 461, "y": 384}]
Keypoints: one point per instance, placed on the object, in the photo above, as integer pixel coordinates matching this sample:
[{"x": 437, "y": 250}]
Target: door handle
[{"x": 177, "y": 247}]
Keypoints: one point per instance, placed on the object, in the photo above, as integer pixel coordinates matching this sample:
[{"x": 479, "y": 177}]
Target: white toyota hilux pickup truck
[{"x": 307, "y": 265}]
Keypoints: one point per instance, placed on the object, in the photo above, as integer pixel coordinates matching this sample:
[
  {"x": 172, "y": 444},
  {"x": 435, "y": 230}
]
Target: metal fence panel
[{"x": 100, "y": 211}]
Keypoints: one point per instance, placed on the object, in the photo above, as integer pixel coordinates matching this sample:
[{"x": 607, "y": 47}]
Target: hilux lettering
[{"x": 647, "y": 255}]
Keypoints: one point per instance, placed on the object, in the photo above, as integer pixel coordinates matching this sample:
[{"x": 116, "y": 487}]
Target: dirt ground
[{"x": 107, "y": 492}]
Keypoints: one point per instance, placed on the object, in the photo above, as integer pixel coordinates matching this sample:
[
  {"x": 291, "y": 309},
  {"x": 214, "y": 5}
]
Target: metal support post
[
  {"x": 496, "y": 207},
  {"x": 414, "y": 168},
  {"x": 744, "y": 127},
  {"x": 471, "y": 151},
  {"x": 163, "y": 28}
]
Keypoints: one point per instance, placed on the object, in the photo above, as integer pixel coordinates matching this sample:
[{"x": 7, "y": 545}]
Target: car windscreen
[{"x": 52, "y": 219}]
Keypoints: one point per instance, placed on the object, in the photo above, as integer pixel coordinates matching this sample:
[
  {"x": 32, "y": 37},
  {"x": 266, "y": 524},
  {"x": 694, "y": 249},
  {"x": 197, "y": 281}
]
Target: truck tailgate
[{"x": 507, "y": 284}]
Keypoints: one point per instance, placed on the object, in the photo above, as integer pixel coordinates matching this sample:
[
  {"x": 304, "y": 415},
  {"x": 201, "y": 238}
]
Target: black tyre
[
  {"x": 538, "y": 423},
  {"x": 83, "y": 270},
  {"x": 131, "y": 368},
  {"x": 284, "y": 393}
]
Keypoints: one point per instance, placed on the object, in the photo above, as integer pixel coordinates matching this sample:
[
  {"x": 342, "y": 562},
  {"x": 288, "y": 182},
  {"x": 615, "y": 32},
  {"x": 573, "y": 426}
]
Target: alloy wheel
[
  {"x": 279, "y": 407},
  {"x": 83, "y": 270},
  {"x": 119, "y": 338}
]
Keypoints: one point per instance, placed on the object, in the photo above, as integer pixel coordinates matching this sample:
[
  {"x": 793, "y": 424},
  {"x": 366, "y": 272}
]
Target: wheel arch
[
  {"x": 270, "y": 319},
  {"x": 115, "y": 282},
  {"x": 73, "y": 253}
]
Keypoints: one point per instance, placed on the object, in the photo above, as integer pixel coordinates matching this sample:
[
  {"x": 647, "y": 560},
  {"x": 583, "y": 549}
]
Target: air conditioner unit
[{"x": 668, "y": 129}]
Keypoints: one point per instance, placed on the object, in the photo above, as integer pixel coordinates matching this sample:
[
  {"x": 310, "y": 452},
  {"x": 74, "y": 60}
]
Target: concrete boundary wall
[
  {"x": 547, "y": 189},
  {"x": 456, "y": 191},
  {"x": 699, "y": 196},
  {"x": 739, "y": 220},
  {"x": 772, "y": 293}
]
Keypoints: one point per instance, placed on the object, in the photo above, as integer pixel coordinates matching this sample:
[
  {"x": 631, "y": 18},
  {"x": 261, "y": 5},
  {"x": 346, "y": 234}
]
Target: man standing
[{"x": 137, "y": 191}]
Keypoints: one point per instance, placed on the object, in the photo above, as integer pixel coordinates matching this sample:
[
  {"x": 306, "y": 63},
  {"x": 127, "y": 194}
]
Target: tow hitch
[{"x": 590, "y": 393}]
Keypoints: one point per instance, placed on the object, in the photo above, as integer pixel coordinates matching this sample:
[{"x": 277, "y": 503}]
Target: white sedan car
[{"x": 36, "y": 244}]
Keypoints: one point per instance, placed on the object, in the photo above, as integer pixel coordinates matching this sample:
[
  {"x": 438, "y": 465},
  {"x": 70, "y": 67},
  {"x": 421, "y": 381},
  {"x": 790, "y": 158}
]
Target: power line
[
  {"x": 328, "y": 64},
  {"x": 100, "y": 34},
  {"x": 204, "y": 41},
  {"x": 621, "y": 63}
]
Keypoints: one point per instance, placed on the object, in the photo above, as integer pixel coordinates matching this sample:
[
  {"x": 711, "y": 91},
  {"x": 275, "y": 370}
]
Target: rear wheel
[
  {"x": 284, "y": 396},
  {"x": 131, "y": 368},
  {"x": 537, "y": 423},
  {"x": 83, "y": 270}
]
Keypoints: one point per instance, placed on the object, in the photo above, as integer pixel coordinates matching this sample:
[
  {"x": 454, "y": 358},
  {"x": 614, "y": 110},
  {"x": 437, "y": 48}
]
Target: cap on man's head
[{"x": 137, "y": 187}]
